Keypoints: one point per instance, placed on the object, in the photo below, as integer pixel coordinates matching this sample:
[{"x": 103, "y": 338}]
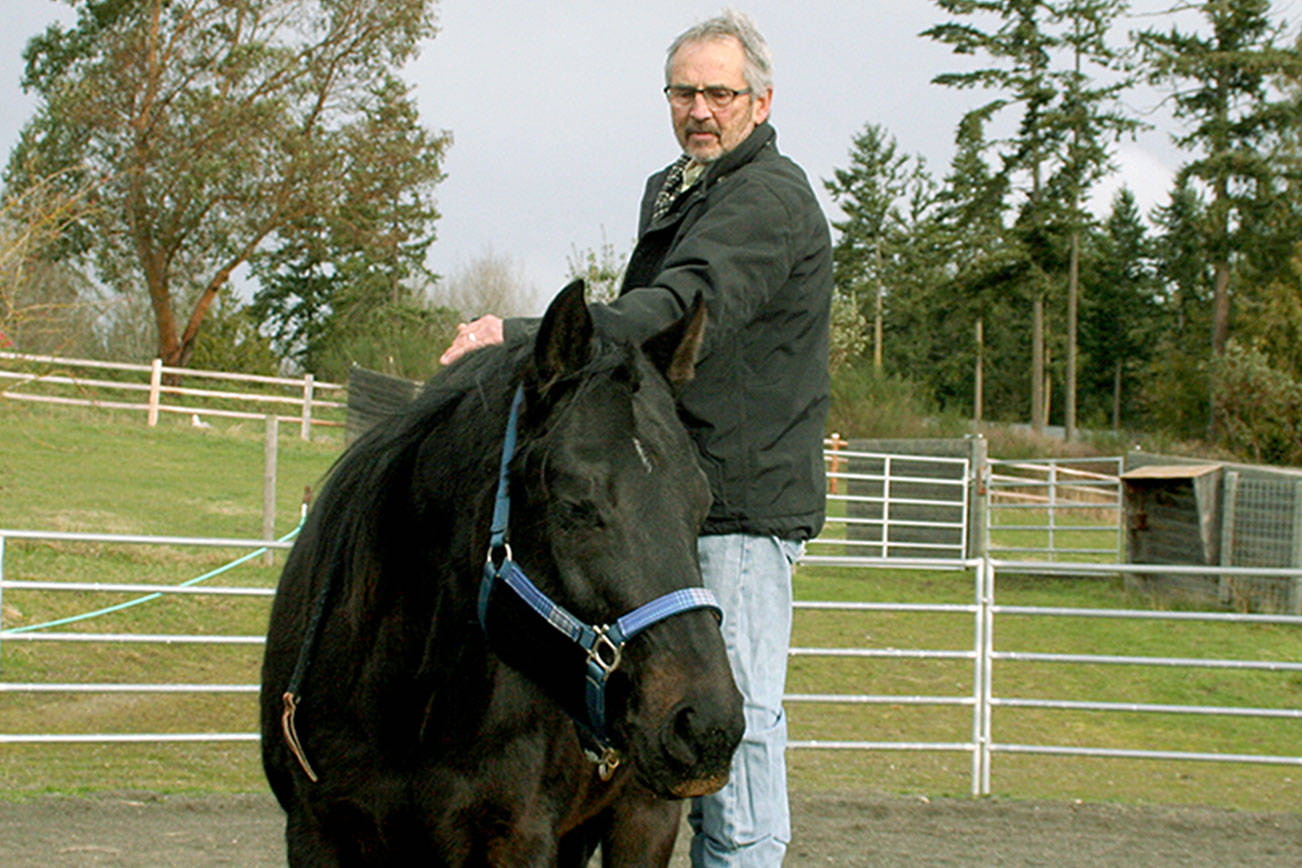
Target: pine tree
[
  {"x": 872, "y": 193},
  {"x": 1223, "y": 90},
  {"x": 1175, "y": 386},
  {"x": 969, "y": 223},
  {"x": 1120, "y": 313},
  {"x": 1059, "y": 147}
]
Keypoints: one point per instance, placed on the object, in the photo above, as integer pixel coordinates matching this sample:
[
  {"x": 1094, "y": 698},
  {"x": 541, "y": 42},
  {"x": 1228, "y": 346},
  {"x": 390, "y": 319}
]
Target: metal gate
[
  {"x": 1055, "y": 509},
  {"x": 896, "y": 506}
]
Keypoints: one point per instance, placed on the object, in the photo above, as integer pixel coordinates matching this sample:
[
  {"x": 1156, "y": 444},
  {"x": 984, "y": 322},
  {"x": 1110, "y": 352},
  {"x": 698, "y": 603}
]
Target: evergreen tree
[
  {"x": 1175, "y": 385},
  {"x": 973, "y": 242},
  {"x": 1059, "y": 148},
  {"x": 872, "y": 193},
  {"x": 1089, "y": 113},
  {"x": 1120, "y": 311},
  {"x": 1222, "y": 89}
]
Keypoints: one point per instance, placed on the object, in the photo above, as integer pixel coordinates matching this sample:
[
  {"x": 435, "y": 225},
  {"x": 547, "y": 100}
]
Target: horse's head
[{"x": 606, "y": 501}]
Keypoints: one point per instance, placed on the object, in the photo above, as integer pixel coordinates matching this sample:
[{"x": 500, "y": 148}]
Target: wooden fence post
[
  {"x": 155, "y": 388},
  {"x": 835, "y": 468},
  {"x": 269, "y": 484},
  {"x": 309, "y": 386}
]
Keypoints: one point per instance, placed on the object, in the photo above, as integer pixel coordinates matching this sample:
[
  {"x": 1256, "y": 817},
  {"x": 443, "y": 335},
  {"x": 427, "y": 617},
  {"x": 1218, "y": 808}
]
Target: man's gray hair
[{"x": 758, "y": 69}]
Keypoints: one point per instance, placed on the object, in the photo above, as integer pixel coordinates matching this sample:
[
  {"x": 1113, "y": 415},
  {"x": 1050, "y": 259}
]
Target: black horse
[{"x": 440, "y": 684}]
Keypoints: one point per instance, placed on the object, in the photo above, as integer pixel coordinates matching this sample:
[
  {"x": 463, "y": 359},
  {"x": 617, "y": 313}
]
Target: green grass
[
  {"x": 95, "y": 471},
  {"x": 98, "y": 471},
  {"x": 1236, "y": 785},
  {"x": 1080, "y": 535}
]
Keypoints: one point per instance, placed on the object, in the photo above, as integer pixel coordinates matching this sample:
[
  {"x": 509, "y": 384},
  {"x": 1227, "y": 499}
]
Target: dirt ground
[{"x": 843, "y": 829}]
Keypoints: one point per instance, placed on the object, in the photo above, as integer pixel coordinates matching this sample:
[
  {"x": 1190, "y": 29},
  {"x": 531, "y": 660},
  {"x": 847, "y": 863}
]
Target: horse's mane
[{"x": 369, "y": 511}]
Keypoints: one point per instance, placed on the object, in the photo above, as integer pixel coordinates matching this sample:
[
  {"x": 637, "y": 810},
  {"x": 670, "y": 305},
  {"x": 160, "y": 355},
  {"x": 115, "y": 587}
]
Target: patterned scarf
[{"x": 671, "y": 188}]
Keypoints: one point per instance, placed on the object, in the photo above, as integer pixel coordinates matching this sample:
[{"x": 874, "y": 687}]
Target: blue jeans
[{"x": 747, "y": 823}]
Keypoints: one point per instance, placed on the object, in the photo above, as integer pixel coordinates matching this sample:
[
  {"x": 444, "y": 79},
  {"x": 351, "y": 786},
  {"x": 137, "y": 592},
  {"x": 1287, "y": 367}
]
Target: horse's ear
[
  {"x": 674, "y": 350},
  {"x": 564, "y": 340}
]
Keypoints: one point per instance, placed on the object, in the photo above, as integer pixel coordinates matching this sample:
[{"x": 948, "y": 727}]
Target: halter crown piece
[{"x": 604, "y": 644}]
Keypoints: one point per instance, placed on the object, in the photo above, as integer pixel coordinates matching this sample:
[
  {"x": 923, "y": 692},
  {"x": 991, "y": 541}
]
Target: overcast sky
[{"x": 557, "y": 116}]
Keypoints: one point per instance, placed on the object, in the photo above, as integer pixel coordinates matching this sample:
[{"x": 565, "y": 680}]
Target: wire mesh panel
[{"x": 1261, "y": 529}]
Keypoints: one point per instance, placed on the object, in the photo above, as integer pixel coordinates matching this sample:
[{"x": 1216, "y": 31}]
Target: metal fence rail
[
  {"x": 979, "y": 648},
  {"x": 990, "y": 746},
  {"x": 34, "y": 634},
  {"x": 972, "y": 653}
]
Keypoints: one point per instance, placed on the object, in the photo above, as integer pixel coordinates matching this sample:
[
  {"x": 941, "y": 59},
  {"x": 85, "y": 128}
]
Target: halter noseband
[{"x": 604, "y": 644}]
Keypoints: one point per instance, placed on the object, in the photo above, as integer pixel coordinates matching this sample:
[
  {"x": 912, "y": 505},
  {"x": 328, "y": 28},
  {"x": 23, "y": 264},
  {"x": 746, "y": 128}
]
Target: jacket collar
[{"x": 762, "y": 135}]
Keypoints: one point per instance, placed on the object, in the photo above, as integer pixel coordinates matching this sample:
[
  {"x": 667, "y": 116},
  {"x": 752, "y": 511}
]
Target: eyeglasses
[{"x": 716, "y": 96}]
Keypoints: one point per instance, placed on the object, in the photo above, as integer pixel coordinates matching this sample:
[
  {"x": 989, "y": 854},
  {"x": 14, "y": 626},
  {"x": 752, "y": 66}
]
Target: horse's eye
[{"x": 581, "y": 512}]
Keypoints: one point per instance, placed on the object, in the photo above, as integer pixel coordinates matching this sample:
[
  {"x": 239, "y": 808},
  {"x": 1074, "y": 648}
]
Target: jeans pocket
[{"x": 792, "y": 549}]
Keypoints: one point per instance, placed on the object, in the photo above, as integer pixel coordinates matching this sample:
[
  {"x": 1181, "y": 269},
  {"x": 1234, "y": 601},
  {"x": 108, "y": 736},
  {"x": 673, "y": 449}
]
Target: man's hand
[{"x": 471, "y": 336}]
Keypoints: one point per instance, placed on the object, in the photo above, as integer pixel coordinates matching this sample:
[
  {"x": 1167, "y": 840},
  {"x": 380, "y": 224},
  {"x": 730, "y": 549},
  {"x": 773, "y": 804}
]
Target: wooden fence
[{"x": 74, "y": 382}]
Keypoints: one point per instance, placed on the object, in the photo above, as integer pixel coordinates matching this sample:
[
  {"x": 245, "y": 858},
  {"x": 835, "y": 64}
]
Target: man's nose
[{"x": 700, "y": 108}]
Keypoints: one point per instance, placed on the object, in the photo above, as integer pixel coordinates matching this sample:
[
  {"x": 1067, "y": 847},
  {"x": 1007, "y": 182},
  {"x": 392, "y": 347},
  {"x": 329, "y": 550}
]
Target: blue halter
[{"x": 603, "y": 644}]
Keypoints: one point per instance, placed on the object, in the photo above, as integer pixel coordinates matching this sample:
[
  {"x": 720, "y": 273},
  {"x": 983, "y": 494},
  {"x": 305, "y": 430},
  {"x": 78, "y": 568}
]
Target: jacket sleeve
[{"x": 738, "y": 253}]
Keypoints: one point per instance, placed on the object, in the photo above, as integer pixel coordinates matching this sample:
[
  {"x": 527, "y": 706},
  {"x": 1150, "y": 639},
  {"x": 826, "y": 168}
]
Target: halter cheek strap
[{"x": 604, "y": 644}]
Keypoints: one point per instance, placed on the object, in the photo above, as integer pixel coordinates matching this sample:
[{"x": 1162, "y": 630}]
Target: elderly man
[{"x": 733, "y": 219}]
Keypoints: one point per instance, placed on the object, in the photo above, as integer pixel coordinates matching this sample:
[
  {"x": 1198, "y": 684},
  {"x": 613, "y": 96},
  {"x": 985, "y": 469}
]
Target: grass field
[{"x": 83, "y": 470}]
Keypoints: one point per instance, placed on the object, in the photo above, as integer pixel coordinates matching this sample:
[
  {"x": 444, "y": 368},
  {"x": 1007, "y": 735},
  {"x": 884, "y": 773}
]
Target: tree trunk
[
  {"x": 1116, "y": 396},
  {"x": 1073, "y": 288},
  {"x": 1220, "y": 332},
  {"x": 1037, "y": 363},
  {"x": 877, "y": 315},
  {"x": 1221, "y": 308},
  {"x": 978, "y": 386}
]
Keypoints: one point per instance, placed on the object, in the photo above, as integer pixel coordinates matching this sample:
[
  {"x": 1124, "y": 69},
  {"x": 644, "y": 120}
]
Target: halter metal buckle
[
  {"x": 504, "y": 549},
  {"x": 604, "y": 653}
]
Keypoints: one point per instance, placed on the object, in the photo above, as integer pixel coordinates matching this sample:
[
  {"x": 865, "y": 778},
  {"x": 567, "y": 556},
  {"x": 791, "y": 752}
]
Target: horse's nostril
[
  {"x": 696, "y": 740},
  {"x": 683, "y": 738}
]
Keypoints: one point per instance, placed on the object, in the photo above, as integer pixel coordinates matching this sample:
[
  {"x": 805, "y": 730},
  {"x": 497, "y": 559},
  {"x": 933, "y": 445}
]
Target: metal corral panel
[{"x": 913, "y": 498}]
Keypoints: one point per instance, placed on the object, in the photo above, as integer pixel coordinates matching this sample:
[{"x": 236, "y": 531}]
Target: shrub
[
  {"x": 1258, "y": 408},
  {"x": 869, "y": 403},
  {"x": 230, "y": 341},
  {"x": 403, "y": 339}
]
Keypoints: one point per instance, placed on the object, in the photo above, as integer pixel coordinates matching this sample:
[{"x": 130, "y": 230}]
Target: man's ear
[
  {"x": 763, "y": 105},
  {"x": 674, "y": 350}
]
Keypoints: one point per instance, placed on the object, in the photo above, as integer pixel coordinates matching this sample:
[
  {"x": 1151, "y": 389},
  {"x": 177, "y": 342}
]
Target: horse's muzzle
[
  {"x": 702, "y": 787},
  {"x": 696, "y": 743}
]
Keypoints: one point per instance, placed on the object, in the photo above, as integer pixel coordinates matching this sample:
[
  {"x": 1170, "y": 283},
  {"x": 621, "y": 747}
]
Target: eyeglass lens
[{"x": 718, "y": 97}]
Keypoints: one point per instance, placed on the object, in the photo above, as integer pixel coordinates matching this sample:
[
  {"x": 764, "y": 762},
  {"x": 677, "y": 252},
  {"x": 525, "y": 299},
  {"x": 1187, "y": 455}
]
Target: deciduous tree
[{"x": 228, "y": 129}]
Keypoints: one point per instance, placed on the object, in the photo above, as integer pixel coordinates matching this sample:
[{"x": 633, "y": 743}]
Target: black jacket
[{"x": 751, "y": 236}]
